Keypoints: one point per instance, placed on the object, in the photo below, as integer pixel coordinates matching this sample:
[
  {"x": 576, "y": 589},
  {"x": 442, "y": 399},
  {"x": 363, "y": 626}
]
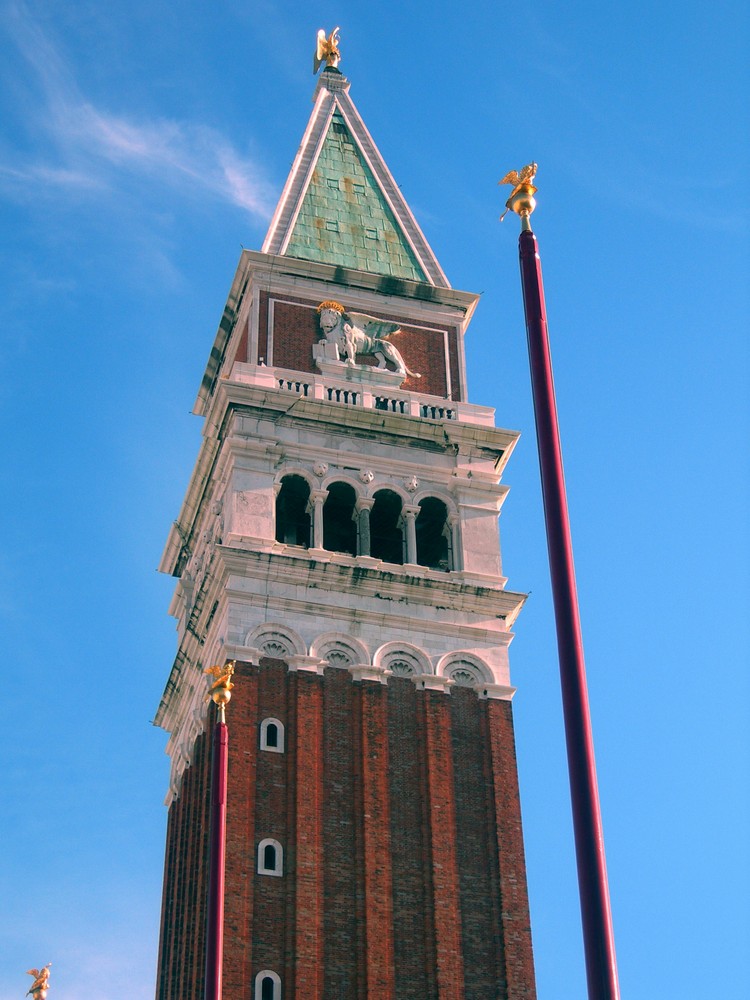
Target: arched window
[
  {"x": 267, "y": 986},
  {"x": 386, "y": 537},
  {"x": 433, "y": 534},
  {"x": 272, "y": 735},
  {"x": 292, "y": 517},
  {"x": 270, "y": 857},
  {"x": 339, "y": 528}
]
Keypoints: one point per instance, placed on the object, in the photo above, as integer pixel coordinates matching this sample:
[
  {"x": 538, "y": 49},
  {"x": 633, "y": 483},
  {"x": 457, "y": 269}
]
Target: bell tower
[{"x": 339, "y": 541}]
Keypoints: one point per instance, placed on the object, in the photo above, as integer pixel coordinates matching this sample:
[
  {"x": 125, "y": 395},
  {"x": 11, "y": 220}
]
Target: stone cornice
[
  {"x": 392, "y": 583},
  {"x": 278, "y": 404}
]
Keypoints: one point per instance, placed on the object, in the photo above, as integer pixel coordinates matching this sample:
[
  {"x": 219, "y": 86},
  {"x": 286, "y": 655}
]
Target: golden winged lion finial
[
  {"x": 327, "y": 50},
  {"x": 38, "y": 989},
  {"x": 521, "y": 198},
  {"x": 220, "y": 691}
]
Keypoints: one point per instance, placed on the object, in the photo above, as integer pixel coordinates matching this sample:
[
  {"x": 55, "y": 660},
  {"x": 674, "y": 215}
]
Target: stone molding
[
  {"x": 503, "y": 692},
  {"x": 396, "y": 658},
  {"x": 430, "y": 682},
  {"x": 368, "y": 672}
]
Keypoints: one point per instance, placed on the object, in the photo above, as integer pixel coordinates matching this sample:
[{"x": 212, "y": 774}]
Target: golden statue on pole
[
  {"x": 327, "y": 50},
  {"x": 220, "y": 692},
  {"x": 521, "y": 199},
  {"x": 40, "y": 985}
]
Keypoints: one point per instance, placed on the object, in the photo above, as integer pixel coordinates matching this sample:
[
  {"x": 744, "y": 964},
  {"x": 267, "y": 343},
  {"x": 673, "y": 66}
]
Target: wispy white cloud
[
  {"x": 92, "y": 146},
  {"x": 30, "y": 174}
]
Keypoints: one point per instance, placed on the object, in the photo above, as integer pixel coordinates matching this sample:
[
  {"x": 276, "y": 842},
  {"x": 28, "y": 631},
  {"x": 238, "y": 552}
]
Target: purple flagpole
[
  {"x": 221, "y": 694},
  {"x": 596, "y": 916}
]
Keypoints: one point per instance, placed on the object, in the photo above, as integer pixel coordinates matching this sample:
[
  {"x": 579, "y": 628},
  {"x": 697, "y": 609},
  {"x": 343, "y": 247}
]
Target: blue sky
[{"x": 141, "y": 148}]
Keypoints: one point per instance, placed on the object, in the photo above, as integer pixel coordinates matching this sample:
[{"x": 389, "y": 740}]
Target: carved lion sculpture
[{"x": 357, "y": 333}]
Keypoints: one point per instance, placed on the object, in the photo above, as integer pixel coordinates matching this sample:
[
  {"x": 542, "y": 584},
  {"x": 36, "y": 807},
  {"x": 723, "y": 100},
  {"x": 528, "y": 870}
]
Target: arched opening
[
  {"x": 432, "y": 534},
  {"x": 292, "y": 517},
  {"x": 339, "y": 529},
  {"x": 386, "y": 537},
  {"x": 270, "y": 858},
  {"x": 272, "y": 735},
  {"x": 267, "y": 986}
]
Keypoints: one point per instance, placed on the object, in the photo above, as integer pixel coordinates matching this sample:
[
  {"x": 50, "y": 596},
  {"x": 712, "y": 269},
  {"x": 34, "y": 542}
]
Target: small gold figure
[
  {"x": 221, "y": 689},
  {"x": 521, "y": 198},
  {"x": 40, "y": 985},
  {"x": 327, "y": 49}
]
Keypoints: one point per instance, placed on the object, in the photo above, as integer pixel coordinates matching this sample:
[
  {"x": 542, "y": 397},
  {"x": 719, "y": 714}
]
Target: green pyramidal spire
[
  {"x": 345, "y": 218},
  {"x": 341, "y": 205}
]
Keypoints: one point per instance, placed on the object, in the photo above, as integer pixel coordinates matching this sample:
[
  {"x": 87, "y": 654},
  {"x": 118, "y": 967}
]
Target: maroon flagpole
[
  {"x": 221, "y": 693},
  {"x": 596, "y": 916}
]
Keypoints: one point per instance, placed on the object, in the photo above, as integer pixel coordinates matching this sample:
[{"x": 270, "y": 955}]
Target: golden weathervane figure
[
  {"x": 40, "y": 985},
  {"x": 327, "y": 50},
  {"x": 521, "y": 199},
  {"x": 220, "y": 692}
]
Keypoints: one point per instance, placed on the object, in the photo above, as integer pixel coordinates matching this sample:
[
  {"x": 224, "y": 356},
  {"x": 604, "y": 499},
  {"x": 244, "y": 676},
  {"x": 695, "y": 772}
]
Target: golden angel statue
[
  {"x": 220, "y": 692},
  {"x": 40, "y": 985},
  {"x": 327, "y": 50},
  {"x": 223, "y": 675},
  {"x": 522, "y": 180}
]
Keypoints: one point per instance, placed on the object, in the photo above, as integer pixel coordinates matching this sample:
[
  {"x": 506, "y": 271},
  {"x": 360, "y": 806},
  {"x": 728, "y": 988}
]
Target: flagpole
[
  {"x": 220, "y": 693},
  {"x": 596, "y": 915}
]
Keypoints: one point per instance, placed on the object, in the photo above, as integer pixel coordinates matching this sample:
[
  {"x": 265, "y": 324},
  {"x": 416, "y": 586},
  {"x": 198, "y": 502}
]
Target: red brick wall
[
  {"x": 399, "y": 817},
  {"x": 413, "y": 929},
  {"x": 183, "y": 928},
  {"x": 376, "y": 840},
  {"x": 307, "y": 861},
  {"x": 441, "y": 821},
  {"x": 242, "y": 822},
  {"x": 342, "y": 893},
  {"x": 478, "y": 872},
  {"x": 296, "y": 329},
  {"x": 516, "y": 930}
]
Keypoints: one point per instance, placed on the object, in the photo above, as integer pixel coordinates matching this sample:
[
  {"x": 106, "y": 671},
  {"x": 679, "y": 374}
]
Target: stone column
[
  {"x": 276, "y": 491},
  {"x": 409, "y": 515},
  {"x": 363, "y": 506},
  {"x": 455, "y": 562},
  {"x": 317, "y": 500}
]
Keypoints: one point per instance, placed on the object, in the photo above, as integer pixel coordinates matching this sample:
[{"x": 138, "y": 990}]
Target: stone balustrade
[{"x": 352, "y": 392}]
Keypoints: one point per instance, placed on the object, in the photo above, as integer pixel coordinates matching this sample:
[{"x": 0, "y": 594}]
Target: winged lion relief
[{"x": 356, "y": 334}]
